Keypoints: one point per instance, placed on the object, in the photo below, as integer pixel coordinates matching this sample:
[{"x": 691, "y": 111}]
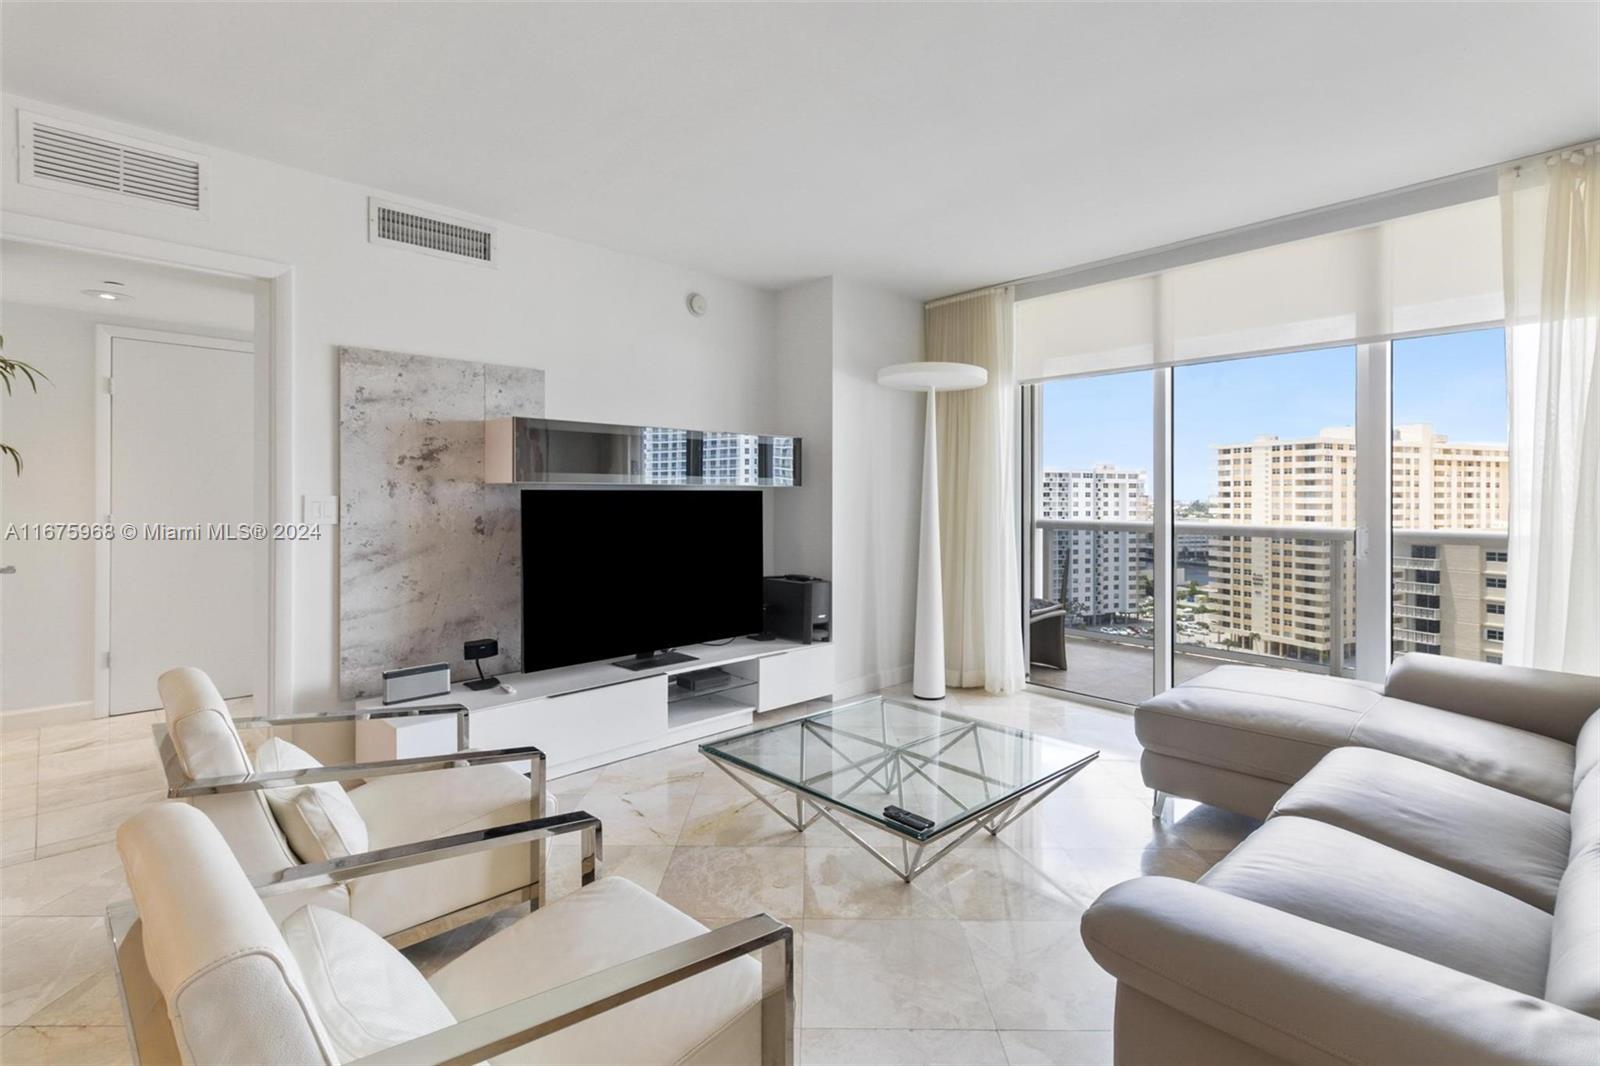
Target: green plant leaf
[{"x": 9, "y": 369}]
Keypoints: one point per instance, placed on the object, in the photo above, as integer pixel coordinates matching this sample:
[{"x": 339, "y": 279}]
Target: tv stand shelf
[
  {"x": 588, "y": 715},
  {"x": 729, "y": 687}
]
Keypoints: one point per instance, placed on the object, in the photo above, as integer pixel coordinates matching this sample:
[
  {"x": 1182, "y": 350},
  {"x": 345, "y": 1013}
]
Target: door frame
[
  {"x": 103, "y": 338},
  {"x": 275, "y": 405}
]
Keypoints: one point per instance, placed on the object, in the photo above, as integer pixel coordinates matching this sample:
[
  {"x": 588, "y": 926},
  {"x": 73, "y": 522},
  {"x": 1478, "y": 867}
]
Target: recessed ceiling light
[{"x": 103, "y": 294}]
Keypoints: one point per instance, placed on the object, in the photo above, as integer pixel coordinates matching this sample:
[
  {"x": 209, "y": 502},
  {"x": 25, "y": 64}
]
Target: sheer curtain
[
  {"x": 1550, "y": 213},
  {"x": 978, "y": 493}
]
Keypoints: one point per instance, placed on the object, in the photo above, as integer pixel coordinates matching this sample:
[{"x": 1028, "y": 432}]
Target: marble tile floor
[{"x": 977, "y": 961}]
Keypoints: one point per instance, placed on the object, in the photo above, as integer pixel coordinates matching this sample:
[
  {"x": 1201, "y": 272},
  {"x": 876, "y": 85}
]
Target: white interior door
[{"x": 181, "y": 442}]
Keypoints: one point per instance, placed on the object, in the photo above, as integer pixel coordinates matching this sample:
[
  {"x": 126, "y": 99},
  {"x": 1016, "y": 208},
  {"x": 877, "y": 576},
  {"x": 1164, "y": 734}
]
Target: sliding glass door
[
  {"x": 1091, "y": 599},
  {"x": 1309, "y": 491},
  {"x": 1450, "y": 495},
  {"x": 1264, "y": 509}
]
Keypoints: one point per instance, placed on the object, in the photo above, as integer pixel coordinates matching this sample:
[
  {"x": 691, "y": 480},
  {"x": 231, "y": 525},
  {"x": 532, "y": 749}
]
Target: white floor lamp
[{"x": 927, "y": 679}]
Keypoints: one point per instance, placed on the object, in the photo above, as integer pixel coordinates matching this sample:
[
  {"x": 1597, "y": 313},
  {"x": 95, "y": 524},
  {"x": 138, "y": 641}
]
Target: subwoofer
[{"x": 798, "y": 607}]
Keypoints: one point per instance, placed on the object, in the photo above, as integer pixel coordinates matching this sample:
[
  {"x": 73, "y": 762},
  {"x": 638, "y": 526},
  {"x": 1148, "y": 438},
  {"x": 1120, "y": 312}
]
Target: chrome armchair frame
[
  {"x": 182, "y": 787},
  {"x": 494, "y": 1032}
]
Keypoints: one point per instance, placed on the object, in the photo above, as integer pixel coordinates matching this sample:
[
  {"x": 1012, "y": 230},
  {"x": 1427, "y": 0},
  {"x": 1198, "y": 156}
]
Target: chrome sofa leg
[{"x": 1158, "y": 805}]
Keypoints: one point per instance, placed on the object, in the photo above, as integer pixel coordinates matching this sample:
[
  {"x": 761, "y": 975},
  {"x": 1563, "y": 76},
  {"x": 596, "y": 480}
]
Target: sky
[{"x": 1456, "y": 381}]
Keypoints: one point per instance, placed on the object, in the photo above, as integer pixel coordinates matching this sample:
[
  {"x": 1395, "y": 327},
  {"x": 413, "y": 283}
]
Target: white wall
[
  {"x": 47, "y": 611},
  {"x": 877, "y": 479},
  {"x": 802, "y": 519},
  {"x": 855, "y": 519},
  {"x": 609, "y": 329},
  {"x": 48, "y": 615}
]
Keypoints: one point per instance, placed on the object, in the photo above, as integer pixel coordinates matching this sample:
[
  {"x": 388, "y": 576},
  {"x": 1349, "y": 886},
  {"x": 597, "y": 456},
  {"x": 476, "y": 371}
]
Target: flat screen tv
[{"x": 629, "y": 573}]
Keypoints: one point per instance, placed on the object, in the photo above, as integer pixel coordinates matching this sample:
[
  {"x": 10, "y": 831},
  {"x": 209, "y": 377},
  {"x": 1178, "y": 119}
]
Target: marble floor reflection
[{"x": 978, "y": 961}]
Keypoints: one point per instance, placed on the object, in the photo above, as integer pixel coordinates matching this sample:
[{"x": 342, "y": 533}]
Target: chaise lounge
[
  {"x": 1239, "y": 736},
  {"x": 1422, "y": 891}
]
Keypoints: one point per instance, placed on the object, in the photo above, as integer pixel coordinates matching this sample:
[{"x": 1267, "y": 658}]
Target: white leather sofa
[
  {"x": 285, "y": 809},
  {"x": 1438, "y": 903},
  {"x": 609, "y": 975},
  {"x": 1239, "y": 736}
]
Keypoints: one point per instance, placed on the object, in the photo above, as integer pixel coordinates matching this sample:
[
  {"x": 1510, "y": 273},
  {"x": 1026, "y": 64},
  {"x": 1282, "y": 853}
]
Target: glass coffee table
[{"x": 864, "y": 761}]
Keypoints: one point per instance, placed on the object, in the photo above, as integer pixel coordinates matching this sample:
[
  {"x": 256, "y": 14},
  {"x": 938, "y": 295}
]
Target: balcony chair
[
  {"x": 1047, "y": 634},
  {"x": 286, "y": 808},
  {"x": 607, "y": 975}
]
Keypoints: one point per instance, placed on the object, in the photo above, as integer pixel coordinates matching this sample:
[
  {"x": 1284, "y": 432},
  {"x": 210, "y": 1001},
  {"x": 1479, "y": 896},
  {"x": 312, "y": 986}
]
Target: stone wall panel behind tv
[{"x": 429, "y": 556}]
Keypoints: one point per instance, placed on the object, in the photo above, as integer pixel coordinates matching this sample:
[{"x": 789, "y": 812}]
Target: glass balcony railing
[
  {"x": 1444, "y": 602},
  {"x": 1272, "y": 595}
]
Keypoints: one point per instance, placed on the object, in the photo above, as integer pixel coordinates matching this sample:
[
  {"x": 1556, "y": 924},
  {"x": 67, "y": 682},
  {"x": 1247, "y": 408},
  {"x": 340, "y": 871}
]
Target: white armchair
[
  {"x": 284, "y": 808},
  {"x": 607, "y": 975}
]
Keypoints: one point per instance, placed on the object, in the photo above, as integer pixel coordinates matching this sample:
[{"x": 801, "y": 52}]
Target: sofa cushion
[
  {"x": 319, "y": 820},
  {"x": 1268, "y": 723},
  {"x": 206, "y": 744},
  {"x": 1507, "y": 842},
  {"x": 233, "y": 989},
  {"x": 405, "y": 808},
  {"x": 1547, "y": 702},
  {"x": 366, "y": 993},
  {"x": 1508, "y": 758},
  {"x": 401, "y": 808},
  {"x": 1232, "y": 790},
  {"x": 1586, "y": 755},
  {"x": 203, "y": 735},
  {"x": 1574, "y": 978},
  {"x": 1336, "y": 878},
  {"x": 602, "y": 925}
]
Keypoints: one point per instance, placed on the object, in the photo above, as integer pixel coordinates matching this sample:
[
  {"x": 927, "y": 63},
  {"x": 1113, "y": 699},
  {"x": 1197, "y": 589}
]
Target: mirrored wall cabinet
[{"x": 543, "y": 451}]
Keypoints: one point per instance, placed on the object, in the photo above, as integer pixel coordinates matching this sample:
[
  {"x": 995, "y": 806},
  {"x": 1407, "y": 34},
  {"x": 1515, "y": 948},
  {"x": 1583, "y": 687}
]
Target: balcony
[
  {"x": 1286, "y": 604},
  {"x": 1114, "y": 671}
]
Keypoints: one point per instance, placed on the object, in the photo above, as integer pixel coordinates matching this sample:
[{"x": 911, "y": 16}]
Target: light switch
[{"x": 320, "y": 510}]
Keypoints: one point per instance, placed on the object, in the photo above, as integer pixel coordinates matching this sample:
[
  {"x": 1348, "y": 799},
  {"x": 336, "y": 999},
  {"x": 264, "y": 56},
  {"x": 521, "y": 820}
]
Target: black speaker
[
  {"x": 475, "y": 651},
  {"x": 798, "y": 608}
]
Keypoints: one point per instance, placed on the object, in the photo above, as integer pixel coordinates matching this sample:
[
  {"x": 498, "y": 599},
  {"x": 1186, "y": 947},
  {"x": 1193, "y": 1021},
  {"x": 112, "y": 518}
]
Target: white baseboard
[
  {"x": 897, "y": 675},
  {"x": 51, "y": 714}
]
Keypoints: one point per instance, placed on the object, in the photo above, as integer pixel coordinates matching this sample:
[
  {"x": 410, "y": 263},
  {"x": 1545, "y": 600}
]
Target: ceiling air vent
[
  {"x": 64, "y": 155},
  {"x": 436, "y": 234}
]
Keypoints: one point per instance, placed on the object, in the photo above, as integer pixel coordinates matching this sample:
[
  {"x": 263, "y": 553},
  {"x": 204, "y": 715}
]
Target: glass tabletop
[{"x": 875, "y": 753}]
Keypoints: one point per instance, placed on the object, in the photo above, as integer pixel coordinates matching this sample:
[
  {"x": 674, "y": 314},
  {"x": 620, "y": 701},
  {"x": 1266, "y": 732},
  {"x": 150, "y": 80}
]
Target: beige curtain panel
[
  {"x": 1551, "y": 213},
  {"x": 978, "y": 493}
]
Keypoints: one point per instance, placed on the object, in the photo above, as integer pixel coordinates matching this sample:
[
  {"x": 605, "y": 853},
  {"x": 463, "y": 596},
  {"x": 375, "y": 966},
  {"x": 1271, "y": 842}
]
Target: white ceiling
[
  {"x": 53, "y": 277},
  {"x": 930, "y": 147}
]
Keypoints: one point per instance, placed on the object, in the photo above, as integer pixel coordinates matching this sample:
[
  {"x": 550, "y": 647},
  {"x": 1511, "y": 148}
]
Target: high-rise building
[
  {"x": 731, "y": 458},
  {"x": 1096, "y": 575},
  {"x": 1449, "y": 597},
  {"x": 1275, "y": 595},
  {"x": 666, "y": 454},
  {"x": 725, "y": 458}
]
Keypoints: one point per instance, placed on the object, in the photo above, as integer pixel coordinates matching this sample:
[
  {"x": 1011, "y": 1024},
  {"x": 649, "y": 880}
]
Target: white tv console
[{"x": 589, "y": 715}]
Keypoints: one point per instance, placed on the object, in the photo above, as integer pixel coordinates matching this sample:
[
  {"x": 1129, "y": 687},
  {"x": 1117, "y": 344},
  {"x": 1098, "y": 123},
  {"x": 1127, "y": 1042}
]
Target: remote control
[{"x": 908, "y": 819}]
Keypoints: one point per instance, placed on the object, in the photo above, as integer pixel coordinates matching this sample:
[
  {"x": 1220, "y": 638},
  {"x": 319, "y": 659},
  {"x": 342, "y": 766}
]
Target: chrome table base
[{"x": 915, "y": 857}]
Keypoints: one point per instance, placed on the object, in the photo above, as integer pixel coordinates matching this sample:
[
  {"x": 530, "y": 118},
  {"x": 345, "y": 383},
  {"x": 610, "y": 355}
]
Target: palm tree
[{"x": 9, "y": 369}]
